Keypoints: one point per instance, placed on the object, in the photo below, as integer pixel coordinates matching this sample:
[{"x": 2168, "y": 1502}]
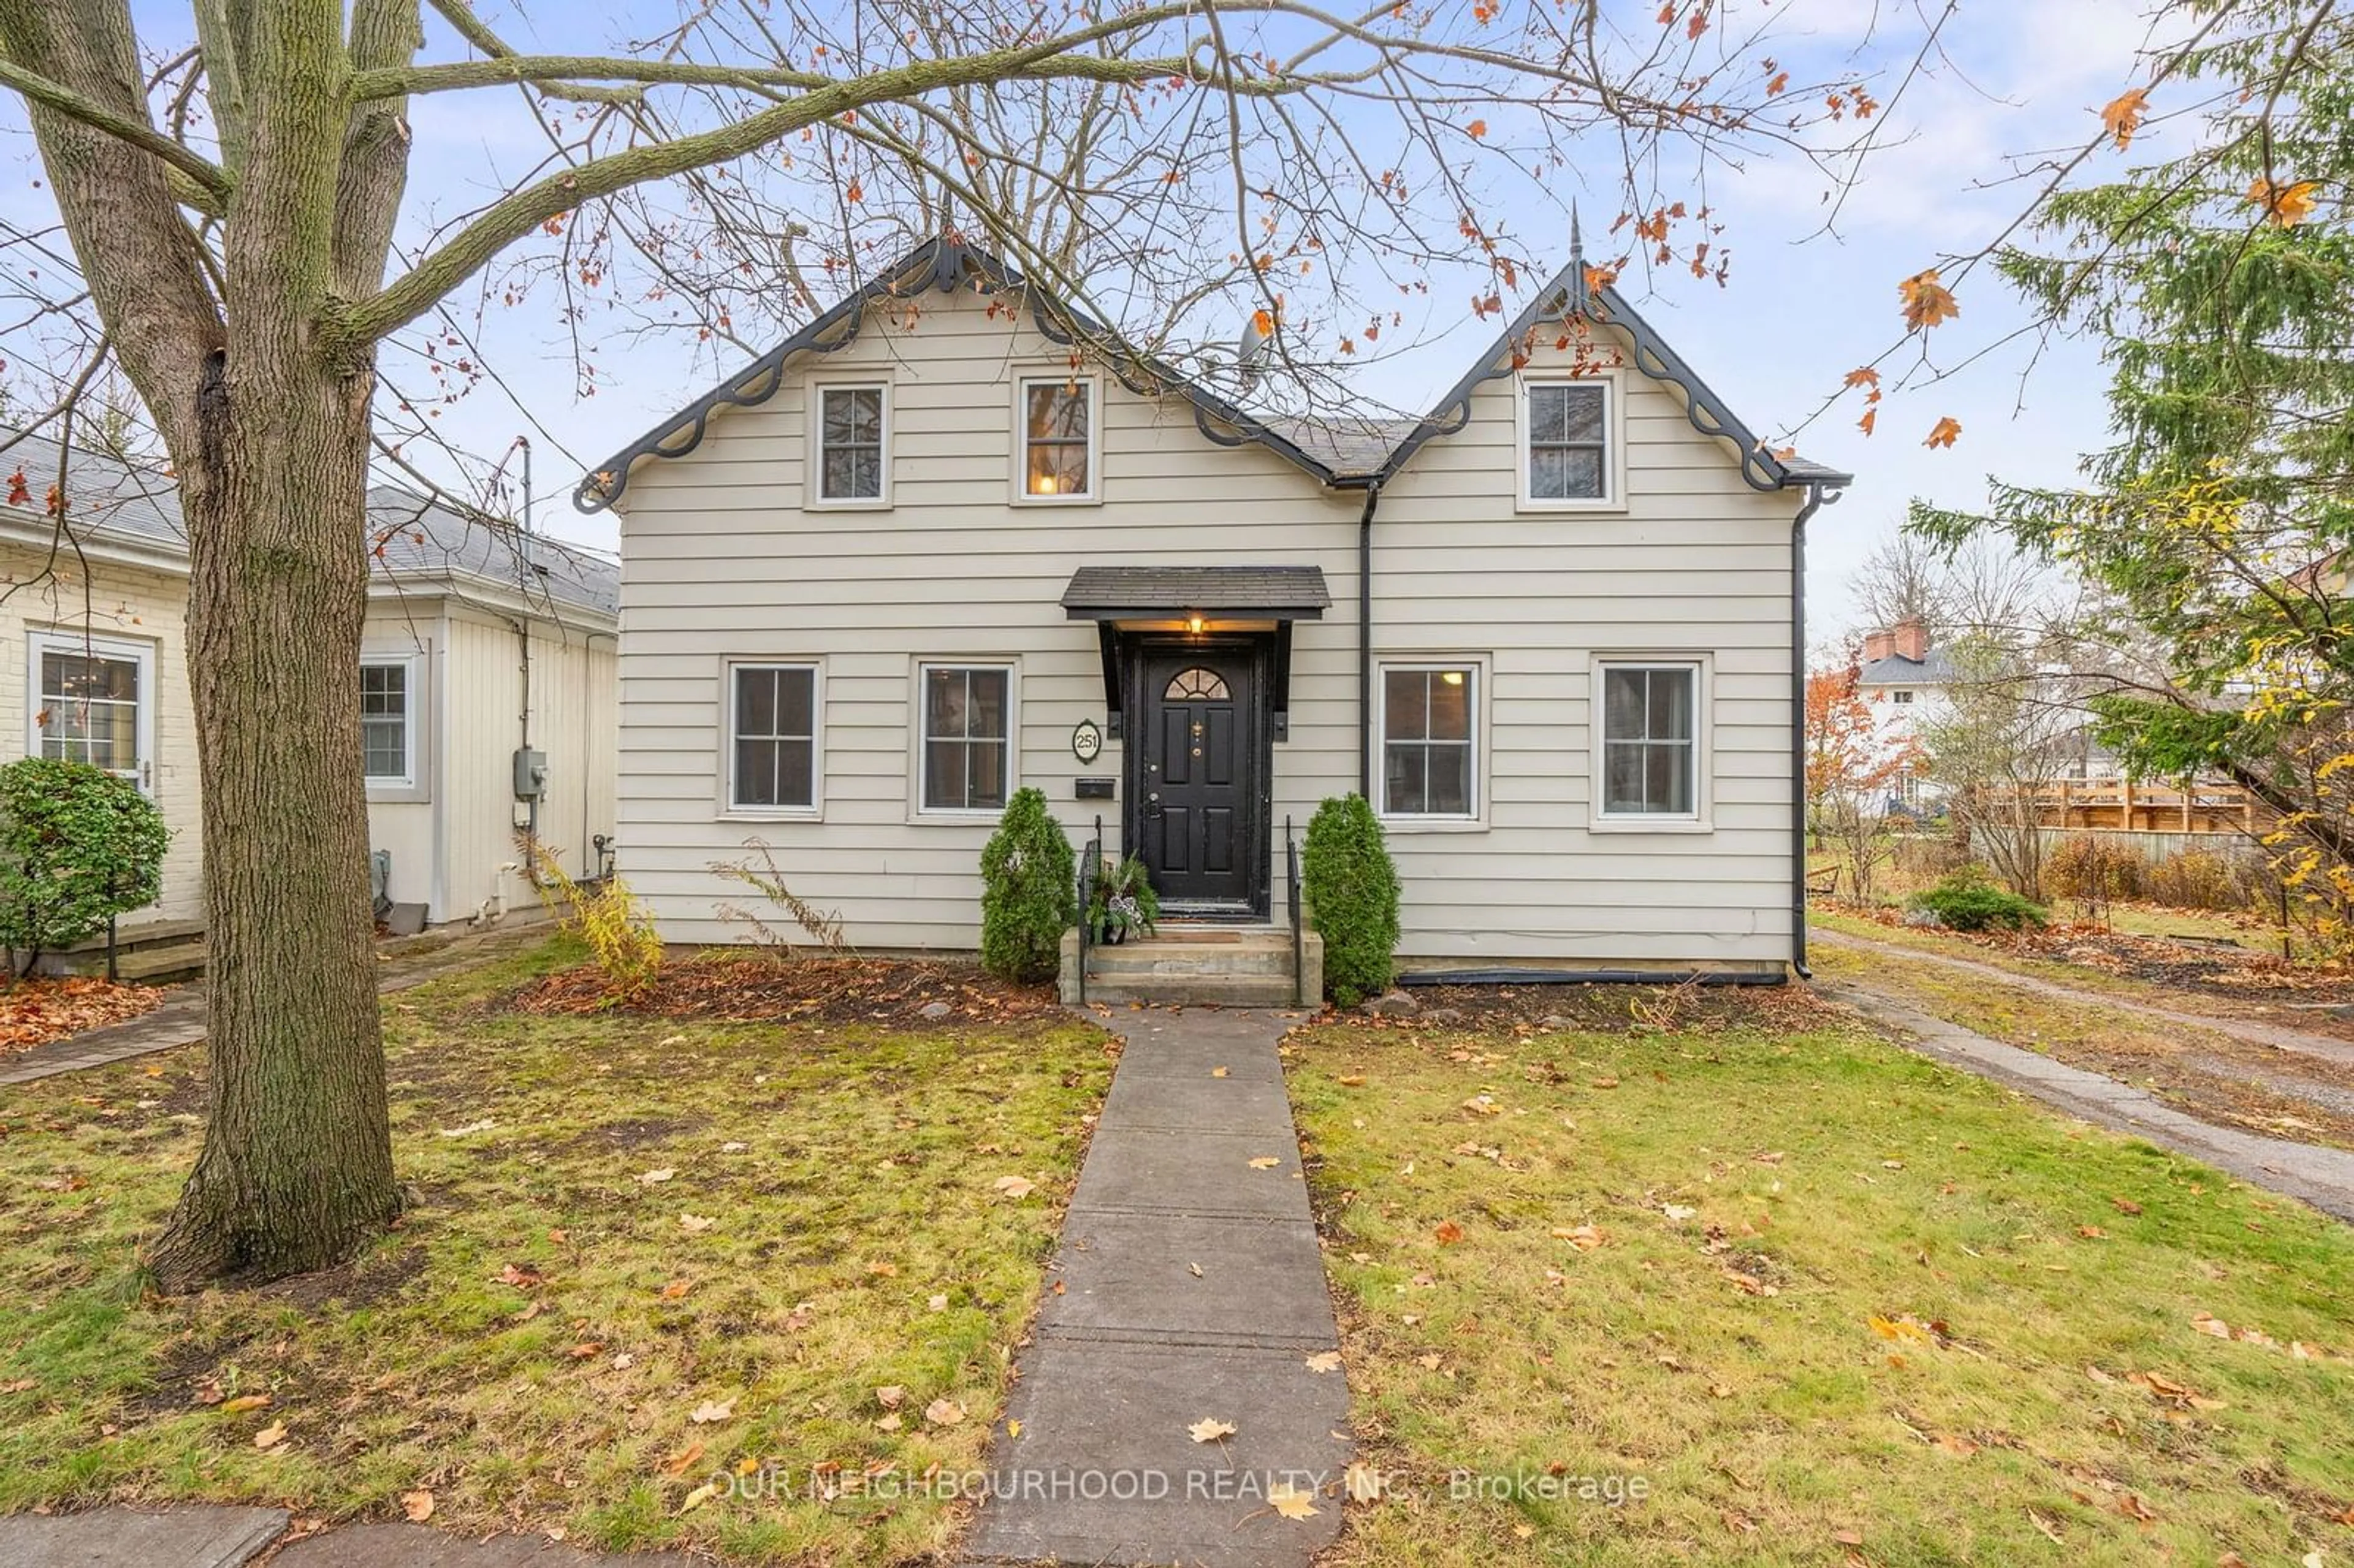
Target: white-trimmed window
[
  {"x": 1569, "y": 454},
  {"x": 1900, "y": 699},
  {"x": 1056, "y": 438},
  {"x": 93, "y": 701},
  {"x": 389, "y": 722},
  {"x": 851, "y": 439},
  {"x": 966, "y": 747},
  {"x": 1650, "y": 738},
  {"x": 1429, "y": 741},
  {"x": 772, "y": 738}
]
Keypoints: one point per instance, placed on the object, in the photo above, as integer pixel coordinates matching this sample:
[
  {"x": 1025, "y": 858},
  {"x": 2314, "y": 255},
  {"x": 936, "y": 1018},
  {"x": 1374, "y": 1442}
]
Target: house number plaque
[{"x": 1086, "y": 741}]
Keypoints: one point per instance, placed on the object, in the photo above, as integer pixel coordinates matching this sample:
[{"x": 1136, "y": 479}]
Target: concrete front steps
[{"x": 1202, "y": 965}]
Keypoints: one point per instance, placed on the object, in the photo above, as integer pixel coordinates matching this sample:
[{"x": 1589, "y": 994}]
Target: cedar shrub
[
  {"x": 78, "y": 845},
  {"x": 1029, "y": 891},
  {"x": 1352, "y": 889}
]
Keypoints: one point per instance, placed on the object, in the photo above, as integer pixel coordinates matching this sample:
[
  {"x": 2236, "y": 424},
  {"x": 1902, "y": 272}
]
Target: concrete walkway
[
  {"x": 180, "y": 1020},
  {"x": 2322, "y": 1177},
  {"x": 1189, "y": 1286},
  {"x": 2278, "y": 1036}
]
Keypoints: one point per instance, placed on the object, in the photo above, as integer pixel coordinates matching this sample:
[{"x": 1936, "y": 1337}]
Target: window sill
[
  {"x": 1023, "y": 498},
  {"x": 1525, "y": 505},
  {"x": 947, "y": 817},
  {"x": 398, "y": 792},
  {"x": 869, "y": 503},
  {"x": 1648, "y": 826},
  {"x": 771, "y": 814},
  {"x": 1395, "y": 826}
]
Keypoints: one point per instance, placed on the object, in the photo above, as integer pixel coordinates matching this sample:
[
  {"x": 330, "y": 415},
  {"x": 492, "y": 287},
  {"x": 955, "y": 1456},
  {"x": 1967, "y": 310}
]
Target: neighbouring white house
[
  {"x": 481, "y": 642},
  {"x": 1905, "y": 682},
  {"x": 938, "y": 545}
]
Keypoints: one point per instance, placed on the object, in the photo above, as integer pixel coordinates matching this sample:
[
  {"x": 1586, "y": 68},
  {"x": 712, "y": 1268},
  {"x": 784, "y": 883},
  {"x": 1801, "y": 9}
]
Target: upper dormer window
[
  {"x": 1056, "y": 450},
  {"x": 1568, "y": 440},
  {"x": 851, "y": 436}
]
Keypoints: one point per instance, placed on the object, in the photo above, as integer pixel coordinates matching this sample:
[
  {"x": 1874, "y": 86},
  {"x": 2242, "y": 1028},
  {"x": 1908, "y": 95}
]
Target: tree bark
[{"x": 296, "y": 1169}]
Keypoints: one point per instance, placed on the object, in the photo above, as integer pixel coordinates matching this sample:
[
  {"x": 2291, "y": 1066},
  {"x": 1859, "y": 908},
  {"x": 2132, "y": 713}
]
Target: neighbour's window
[
  {"x": 88, "y": 706},
  {"x": 967, "y": 729},
  {"x": 1901, "y": 696},
  {"x": 1058, "y": 437},
  {"x": 1568, "y": 435},
  {"x": 384, "y": 721},
  {"x": 773, "y": 761},
  {"x": 1650, "y": 745},
  {"x": 1427, "y": 754},
  {"x": 851, "y": 452}
]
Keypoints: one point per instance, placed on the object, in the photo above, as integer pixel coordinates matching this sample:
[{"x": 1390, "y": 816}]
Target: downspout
[
  {"x": 1815, "y": 498},
  {"x": 1365, "y": 641}
]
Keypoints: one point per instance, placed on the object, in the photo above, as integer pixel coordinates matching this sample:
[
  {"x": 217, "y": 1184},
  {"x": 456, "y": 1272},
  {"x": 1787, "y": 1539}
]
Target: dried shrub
[
  {"x": 2202, "y": 879},
  {"x": 621, "y": 938},
  {"x": 2094, "y": 869},
  {"x": 1922, "y": 857},
  {"x": 822, "y": 926}
]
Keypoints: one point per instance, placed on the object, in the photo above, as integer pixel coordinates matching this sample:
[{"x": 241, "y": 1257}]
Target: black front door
[{"x": 1197, "y": 798}]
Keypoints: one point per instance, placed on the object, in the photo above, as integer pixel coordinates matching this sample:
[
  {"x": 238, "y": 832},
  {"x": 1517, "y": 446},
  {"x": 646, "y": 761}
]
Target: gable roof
[
  {"x": 1935, "y": 669},
  {"x": 1345, "y": 451},
  {"x": 418, "y": 540}
]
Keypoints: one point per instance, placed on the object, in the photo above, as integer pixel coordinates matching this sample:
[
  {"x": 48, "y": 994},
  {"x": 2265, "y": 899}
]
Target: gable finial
[{"x": 1577, "y": 288}]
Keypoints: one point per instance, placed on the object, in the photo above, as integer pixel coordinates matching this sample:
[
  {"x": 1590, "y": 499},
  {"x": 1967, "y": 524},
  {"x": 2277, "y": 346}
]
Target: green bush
[
  {"x": 78, "y": 845},
  {"x": 1969, "y": 901},
  {"x": 1029, "y": 891},
  {"x": 1352, "y": 889}
]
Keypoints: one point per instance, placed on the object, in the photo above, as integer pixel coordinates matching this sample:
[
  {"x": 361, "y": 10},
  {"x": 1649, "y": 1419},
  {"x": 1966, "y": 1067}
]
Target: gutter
[
  {"x": 1365, "y": 641},
  {"x": 1816, "y": 494}
]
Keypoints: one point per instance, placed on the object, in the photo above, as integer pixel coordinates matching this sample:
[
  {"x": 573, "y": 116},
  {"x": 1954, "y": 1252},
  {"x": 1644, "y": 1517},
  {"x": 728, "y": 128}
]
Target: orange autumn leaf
[
  {"x": 2287, "y": 206},
  {"x": 1926, "y": 300},
  {"x": 1861, "y": 375},
  {"x": 1667, "y": 15},
  {"x": 1478, "y": 128},
  {"x": 2124, "y": 114},
  {"x": 1942, "y": 432},
  {"x": 1697, "y": 25},
  {"x": 1870, "y": 418},
  {"x": 1775, "y": 87},
  {"x": 1263, "y": 323},
  {"x": 1448, "y": 1233},
  {"x": 856, "y": 192}
]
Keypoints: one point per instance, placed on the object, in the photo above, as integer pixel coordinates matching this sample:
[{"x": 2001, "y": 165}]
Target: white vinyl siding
[{"x": 959, "y": 572}]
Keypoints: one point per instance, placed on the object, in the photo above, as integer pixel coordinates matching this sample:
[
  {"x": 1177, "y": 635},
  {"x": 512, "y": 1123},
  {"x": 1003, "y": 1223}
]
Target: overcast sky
[{"x": 1803, "y": 303}]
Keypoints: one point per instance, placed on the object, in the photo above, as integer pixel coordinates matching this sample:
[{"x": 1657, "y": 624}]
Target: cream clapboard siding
[
  {"x": 719, "y": 562},
  {"x": 119, "y": 603},
  {"x": 456, "y": 851}
]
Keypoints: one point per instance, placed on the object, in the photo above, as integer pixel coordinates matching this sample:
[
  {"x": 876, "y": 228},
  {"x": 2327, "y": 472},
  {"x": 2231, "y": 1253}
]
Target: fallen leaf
[
  {"x": 679, "y": 1463},
  {"x": 2125, "y": 1205},
  {"x": 1584, "y": 1238},
  {"x": 243, "y": 1403},
  {"x": 1351, "y": 1080},
  {"x": 558, "y": 1236},
  {"x": 676, "y": 1290},
  {"x": 887, "y": 1424},
  {"x": 652, "y": 1178},
  {"x": 587, "y": 1347},
  {"x": 699, "y": 1496},
  {"x": 1448, "y": 1233},
  {"x": 695, "y": 1223},
  {"x": 1677, "y": 1213},
  {"x": 1265, "y": 1162},
  {"x": 417, "y": 1506},
  {"x": 1014, "y": 1186},
  {"x": 711, "y": 1410},
  {"x": 1605, "y": 1083},
  {"x": 271, "y": 1435},
  {"x": 1218, "y": 1071},
  {"x": 1324, "y": 1361},
  {"x": 883, "y": 1270},
  {"x": 1013, "y": 1429},
  {"x": 1960, "y": 1447},
  {"x": 2207, "y": 1323},
  {"x": 891, "y": 1396},
  {"x": 1291, "y": 1501},
  {"x": 944, "y": 1412},
  {"x": 1363, "y": 1482},
  {"x": 938, "y": 1303},
  {"x": 2045, "y": 1525},
  {"x": 1209, "y": 1429}
]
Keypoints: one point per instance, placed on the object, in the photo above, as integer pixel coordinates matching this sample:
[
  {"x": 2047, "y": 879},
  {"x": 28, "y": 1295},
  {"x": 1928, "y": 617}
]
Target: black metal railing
[
  {"x": 1090, "y": 867},
  {"x": 1291, "y": 902}
]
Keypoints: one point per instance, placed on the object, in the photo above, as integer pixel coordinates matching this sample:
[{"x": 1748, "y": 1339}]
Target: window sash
[
  {"x": 384, "y": 721},
  {"x": 89, "y": 706},
  {"x": 850, "y": 436},
  {"x": 772, "y": 763},
  {"x": 1429, "y": 727},
  {"x": 1650, "y": 740},
  {"x": 966, "y": 736},
  {"x": 1057, "y": 438},
  {"x": 1568, "y": 456}
]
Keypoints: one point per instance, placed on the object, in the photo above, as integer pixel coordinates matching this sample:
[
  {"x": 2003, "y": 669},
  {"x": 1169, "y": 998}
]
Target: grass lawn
[
  {"x": 645, "y": 1251},
  {"x": 1830, "y": 1301}
]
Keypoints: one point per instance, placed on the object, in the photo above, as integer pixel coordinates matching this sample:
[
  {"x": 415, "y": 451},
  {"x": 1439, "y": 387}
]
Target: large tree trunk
[{"x": 296, "y": 1168}]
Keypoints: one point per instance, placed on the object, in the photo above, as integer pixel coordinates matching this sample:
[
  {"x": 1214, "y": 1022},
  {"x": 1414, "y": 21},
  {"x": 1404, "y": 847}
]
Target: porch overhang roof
[{"x": 1142, "y": 593}]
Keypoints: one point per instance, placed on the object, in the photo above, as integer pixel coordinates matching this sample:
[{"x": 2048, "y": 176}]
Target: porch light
[{"x": 1196, "y": 624}]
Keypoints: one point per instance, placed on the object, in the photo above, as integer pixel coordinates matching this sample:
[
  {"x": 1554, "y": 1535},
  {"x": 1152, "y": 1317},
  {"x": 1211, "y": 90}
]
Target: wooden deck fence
[{"x": 2125, "y": 805}]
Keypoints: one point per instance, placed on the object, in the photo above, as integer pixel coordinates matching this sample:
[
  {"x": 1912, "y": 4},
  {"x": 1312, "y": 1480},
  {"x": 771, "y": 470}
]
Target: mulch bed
[
  {"x": 1609, "y": 1009},
  {"x": 793, "y": 990},
  {"x": 37, "y": 1011}
]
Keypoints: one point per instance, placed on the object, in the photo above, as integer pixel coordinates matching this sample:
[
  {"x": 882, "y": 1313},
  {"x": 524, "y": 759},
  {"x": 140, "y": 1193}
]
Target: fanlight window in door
[{"x": 1196, "y": 684}]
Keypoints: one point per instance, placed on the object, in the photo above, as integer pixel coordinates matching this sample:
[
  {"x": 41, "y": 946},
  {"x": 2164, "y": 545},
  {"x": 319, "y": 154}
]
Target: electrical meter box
[{"x": 530, "y": 774}]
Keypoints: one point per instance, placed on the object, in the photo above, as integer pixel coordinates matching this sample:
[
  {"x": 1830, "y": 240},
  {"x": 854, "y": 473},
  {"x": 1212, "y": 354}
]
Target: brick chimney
[
  {"x": 1911, "y": 639},
  {"x": 1878, "y": 645}
]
